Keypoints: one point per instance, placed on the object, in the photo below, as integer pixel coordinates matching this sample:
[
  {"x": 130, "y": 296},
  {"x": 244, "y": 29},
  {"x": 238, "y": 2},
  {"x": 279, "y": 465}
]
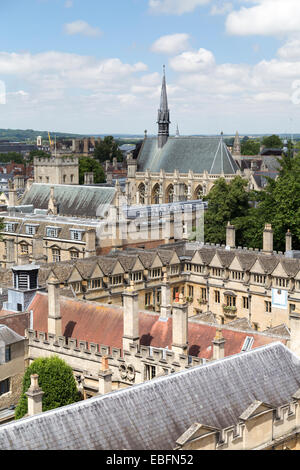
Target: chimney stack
[
  {"x": 295, "y": 333},
  {"x": 12, "y": 194},
  {"x": 268, "y": 239},
  {"x": 131, "y": 317},
  {"x": 165, "y": 306},
  {"x": 230, "y": 236},
  {"x": 218, "y": 346},
  {"x": 35, "y": 396},
  {"x": 88, "y": 178},
  {"x": 105, "y": 377},
  {"x": 38, "y": 249},
  {"x": 54, "y": 316},
  {"x": 10, "y": 252},
  {"x": 52, "y": 204},
  {"x": 90, "y": 238},
  {"x": 288, "y": 241},
  {"x": 180, "y": 326}
]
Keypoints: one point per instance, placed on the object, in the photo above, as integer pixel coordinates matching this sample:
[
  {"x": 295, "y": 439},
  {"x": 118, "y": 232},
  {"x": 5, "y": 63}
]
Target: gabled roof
[
  {"x": 153, "y": 415},
  {"x": 8, "y": 336},
  {"x": 198, "y": 154},
  {"x": 103, "y": 324},
  {"x": 73, "y": 200}
]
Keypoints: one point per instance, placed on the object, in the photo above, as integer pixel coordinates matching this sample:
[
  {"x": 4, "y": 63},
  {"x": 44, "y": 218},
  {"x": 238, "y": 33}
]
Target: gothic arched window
[
  {"x": 199, "y": 193},
  {"x": 141, "y": 191},
  {"x": 155, "y": 194},
  {"x": 170, "y": 194}
]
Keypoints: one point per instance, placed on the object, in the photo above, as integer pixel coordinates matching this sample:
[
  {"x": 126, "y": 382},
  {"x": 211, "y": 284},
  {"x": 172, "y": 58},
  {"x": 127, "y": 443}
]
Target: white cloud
[
  {"x": 193, "y": 61},
  {"x": 83, "y": 28},
  {"x": 268, "y": 18},
  {"x": 221, "y": 8},
  {"x": 171, "y": 44},
  {"x": 272, "y": 97},
  {"x": 290, "y": 50},
  {"x": 68, "y": 3},
  {"x": 175, "y": 7}
]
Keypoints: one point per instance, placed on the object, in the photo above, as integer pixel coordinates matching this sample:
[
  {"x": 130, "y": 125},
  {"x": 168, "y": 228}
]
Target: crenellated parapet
[
  {"x": 130, "y": 367},
  {"x": 279, "y": 427}
]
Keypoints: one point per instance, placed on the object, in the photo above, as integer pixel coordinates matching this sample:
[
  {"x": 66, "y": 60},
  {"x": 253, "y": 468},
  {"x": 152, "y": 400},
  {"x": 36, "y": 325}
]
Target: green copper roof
[
  {"x": 84, "y": 201},
  {"x": 187, "y": 153}
]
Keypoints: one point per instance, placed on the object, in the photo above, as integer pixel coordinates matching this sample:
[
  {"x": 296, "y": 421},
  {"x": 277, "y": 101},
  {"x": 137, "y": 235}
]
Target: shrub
[{"x": 57, "y": 381}]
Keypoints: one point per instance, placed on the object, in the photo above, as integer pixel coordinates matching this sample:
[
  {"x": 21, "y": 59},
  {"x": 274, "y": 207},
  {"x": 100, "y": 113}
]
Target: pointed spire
[
  {"x": 163, "y": 97},
  {"x": 177, "y": 131},
  {"x": 163, "y": 119}
]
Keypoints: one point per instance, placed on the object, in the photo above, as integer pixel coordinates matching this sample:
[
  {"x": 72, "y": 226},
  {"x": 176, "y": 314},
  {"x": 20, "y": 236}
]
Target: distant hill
[{"x": 29, "y": 135}]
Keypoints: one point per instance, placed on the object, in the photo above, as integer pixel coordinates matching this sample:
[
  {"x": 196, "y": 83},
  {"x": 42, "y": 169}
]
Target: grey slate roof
[
  {"x": 155, "y": 414},
  {"x": 8, "y": 336},
  {"x": 187, "y": 153},
  {"x": 84, "y": 201}
]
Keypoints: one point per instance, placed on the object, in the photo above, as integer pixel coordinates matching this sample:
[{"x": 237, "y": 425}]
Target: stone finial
[
  {"x": 34, "y": 395},
  {"x": 288, "y": 241},
  {"x": 218, "y": 345},
  {"x": 219, "y": 335},
  {"x": 131, "y": 287}
]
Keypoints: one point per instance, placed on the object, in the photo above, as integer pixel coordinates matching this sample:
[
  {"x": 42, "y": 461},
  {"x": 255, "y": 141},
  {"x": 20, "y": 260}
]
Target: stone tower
[
  {"x": 56, "y": 170},
  {"x": 163, "y": 119},
  {"x": 236, "y": 151}
]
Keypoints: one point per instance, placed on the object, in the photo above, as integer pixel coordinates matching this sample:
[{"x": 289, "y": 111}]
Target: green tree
[
  {"x": 89, "y": 165},
  {"x": 272, "y": 142},
  {"x": 11, "y": 157},
  {"x": 279, "y": 205},
  {"x": 226, "y": 202},
  {"x": 107, "y": 149},
  {"x": 57, "y": 381},
  {"x": 250, "y": 147}
]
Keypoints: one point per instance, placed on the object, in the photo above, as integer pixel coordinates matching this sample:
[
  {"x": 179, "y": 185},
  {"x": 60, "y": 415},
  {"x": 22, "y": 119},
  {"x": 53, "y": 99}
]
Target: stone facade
[
  {"x": 260, "y": 427},
  {"x": 56, "y": 170},
  {"x": 13, "y": 371}
]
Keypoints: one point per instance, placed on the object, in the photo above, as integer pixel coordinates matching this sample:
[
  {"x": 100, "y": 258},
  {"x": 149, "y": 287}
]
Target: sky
[{"x": 95, "y": 66}]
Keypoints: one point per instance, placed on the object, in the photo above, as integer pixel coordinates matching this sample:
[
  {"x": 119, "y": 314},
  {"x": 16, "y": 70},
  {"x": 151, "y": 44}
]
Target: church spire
[{"x": 163, "y": 119}]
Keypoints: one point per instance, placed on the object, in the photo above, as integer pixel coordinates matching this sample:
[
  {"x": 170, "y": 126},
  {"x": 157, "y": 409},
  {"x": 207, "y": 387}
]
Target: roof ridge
[{"x": 151, "y": 383}]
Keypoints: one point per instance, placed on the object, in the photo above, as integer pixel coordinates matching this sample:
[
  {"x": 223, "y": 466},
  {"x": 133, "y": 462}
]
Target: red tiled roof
[
  {"x": 94, "y": 323},
  {"x": 17, "y": 322}
]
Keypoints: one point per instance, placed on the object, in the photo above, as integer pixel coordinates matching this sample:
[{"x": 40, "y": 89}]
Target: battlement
[
  {"x": 276, "y": 424},
  {"x": 56, "y": 161},
  {"x": 128, "y": 367}
]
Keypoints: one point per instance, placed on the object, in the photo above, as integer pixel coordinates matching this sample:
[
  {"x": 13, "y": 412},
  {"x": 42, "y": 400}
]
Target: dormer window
[
  {"x": 76, "y": 234},
  {"x": 31, "y": 229},
  {"x": 217, "y": 272},
  {"x": 281, "y": 282},
  {"x": 259, "y": 278},
  {"x": 52, "y": 232},
  {"x": 155, "y": 273},
  {"x": 10, "y": 227}
]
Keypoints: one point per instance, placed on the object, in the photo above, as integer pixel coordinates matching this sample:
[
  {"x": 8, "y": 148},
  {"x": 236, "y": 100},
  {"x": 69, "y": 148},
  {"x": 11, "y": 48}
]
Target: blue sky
[{"x": 93, "y": 66}]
